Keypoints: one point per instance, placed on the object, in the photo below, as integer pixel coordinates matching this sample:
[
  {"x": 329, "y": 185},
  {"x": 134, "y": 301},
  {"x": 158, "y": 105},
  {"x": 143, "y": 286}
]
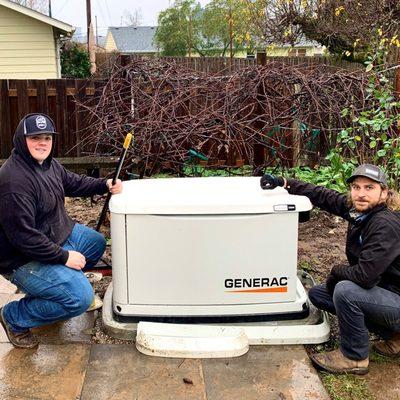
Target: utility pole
[
  {"x": 88, "y": 22},
  {"x": 190, "y": 34},
  {"x": 230, "y": 34},
  {"x": 397, "y": 83},
  {"x": 50, "y": 9},
  {"x": 90, "y": 38},
  {"x": 97, "y": 31}
]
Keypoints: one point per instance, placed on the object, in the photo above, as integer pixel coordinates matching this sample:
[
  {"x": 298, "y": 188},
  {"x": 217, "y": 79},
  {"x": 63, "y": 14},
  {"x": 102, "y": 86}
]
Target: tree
[
  {"x": 37, "y": 5},
  {"x": 186, "y": 28},
  {"x": 348, "y": 28},
  {"x": 178, "y": 31},
  {"x": 224, "y": 23},
  {"x": 132, "y": 18}
]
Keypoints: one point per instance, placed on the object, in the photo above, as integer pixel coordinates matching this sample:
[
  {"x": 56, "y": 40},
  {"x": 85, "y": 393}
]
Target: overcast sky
[{"x": 108, "y": 12}]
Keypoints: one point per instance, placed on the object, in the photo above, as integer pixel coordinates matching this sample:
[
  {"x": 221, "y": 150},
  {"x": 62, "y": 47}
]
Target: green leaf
[
  {"x": 381, "y": 153},
  {"x": 369, "y": 67},
  {"x": 372, "y": 144},
  {"x": 358, "y": 138},
  {"x": 351, "y": 144}
]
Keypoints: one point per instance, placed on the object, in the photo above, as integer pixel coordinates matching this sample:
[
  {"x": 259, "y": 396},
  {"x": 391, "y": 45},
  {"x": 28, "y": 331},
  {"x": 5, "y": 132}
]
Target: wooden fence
[
  {"x": 55, "y": 97},
  {"x": 58, "y": 98},
  {"x": 212, "y": 65}
]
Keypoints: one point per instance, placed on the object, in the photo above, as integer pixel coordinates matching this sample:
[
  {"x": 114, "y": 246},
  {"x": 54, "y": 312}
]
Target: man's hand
[
  {"x": 75, "y": 260},
  {"x": 269, "y": 181},
  {"x": 114, "y": 189}
]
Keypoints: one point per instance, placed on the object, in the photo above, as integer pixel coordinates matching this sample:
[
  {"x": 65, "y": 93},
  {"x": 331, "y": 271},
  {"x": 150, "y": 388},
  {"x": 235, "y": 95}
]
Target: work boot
[
  {"x": 24, "y": 340},
  {"x": 336, "y": 363},
  {"x": 389, "y": 348}
]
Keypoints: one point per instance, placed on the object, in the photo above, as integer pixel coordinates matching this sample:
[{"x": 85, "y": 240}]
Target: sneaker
[
  {"x": 23, "y": 340},
  {"x": 336, "y": 363},
  {"x": 389, "y": 348}
]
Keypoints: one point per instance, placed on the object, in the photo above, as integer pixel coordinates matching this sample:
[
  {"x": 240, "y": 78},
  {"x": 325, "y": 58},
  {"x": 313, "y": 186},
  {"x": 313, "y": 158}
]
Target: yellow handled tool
[{"x": 125, "y": 146}]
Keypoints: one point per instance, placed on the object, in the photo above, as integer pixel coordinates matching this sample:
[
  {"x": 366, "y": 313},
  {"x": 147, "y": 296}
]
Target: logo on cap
[
  {"x": 41, "y": 122},
  {"x": 372, "y": 172}
]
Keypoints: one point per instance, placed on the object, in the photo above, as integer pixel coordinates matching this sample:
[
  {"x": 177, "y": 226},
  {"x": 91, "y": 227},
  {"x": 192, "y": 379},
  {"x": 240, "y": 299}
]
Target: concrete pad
[
  {"x": 120, "y": 372},
  {"x": 4, "y": 299},
  {"x": 45, "y": 373},
  {"x": 265, "y": 372},
  {"x": 113, "y": 328},
  {"x": 16, "y": 297},
  {"x": 74, "y": 330},
  {"x": 6, "y": 286}
]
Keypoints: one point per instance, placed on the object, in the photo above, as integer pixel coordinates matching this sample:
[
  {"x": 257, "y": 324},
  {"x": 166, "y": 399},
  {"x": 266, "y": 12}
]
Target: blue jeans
[
  {"x": 55, "y": 292},
  {"x": 359, "y": 311}
]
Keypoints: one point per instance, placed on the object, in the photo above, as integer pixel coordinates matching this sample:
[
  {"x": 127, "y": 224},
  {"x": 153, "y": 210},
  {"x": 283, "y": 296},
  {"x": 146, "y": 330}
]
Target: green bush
[{"x": 75, "y": 61}]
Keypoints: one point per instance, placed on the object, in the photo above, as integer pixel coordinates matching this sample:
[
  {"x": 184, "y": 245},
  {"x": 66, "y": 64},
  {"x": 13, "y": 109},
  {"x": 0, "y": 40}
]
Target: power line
[{"x": 108, "y": 13}]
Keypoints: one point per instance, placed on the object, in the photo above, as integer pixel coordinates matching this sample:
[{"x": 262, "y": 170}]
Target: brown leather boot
[
  {"x": 336, "y": 363},
  {"x": 389, "y": 348},
  {"x": 24, "y": 340}
]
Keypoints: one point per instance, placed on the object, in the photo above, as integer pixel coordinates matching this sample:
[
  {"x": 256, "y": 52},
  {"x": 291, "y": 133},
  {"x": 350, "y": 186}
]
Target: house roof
[
  {"x": 132, "y": 39},
  {"x": 59, "y": 25}
]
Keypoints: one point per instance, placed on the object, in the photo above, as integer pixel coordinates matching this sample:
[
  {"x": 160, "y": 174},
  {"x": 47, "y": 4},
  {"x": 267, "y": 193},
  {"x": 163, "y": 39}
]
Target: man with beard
[{"x": 365, "y": 293}]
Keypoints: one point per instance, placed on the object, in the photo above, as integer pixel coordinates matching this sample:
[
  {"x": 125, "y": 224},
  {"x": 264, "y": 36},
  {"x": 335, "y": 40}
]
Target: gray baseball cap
[{"x": 369, "y": 171}]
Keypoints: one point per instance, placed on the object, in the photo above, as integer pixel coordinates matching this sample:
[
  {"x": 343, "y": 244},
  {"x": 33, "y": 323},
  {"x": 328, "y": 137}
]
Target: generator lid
[{"x": 216, "y": 195}]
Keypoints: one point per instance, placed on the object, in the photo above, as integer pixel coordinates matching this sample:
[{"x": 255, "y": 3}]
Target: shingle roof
[{"x": 131, "y": 39}]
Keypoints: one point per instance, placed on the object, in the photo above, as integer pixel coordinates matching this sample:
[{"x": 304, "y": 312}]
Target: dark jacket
[
  {"x": 33, "y": 220},
  {"x": 373, "y": 239}
]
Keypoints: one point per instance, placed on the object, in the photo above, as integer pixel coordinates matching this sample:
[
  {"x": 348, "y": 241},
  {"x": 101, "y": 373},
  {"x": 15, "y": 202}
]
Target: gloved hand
[
  {"x": 330, "y": 284},
  {"x": 269, "y": 181}
]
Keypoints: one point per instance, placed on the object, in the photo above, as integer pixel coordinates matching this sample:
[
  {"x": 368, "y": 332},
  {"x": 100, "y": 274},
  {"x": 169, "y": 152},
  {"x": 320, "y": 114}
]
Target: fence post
[
  {"x": 296, "y": 134},
  {"x": 23, "y": 99},
  {"x": 42, "y": 96},
  {"x": 5, "y": 123}
]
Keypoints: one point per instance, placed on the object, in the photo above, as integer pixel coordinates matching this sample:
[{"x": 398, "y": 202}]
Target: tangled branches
[{"x": 262, "y": 115}]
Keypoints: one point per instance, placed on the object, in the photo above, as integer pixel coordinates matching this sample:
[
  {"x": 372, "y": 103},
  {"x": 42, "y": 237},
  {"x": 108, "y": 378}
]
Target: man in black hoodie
[
  {"x": 41, "y": 247},
  {"x": 365, "y": 294}
]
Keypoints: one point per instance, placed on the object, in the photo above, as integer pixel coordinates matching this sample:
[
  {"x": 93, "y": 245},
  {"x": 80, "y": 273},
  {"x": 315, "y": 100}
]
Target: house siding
[
  {"x": 295, "y": 52},
  {"x": 110, "y": 44},
  {"x": 27, "y": 47}
]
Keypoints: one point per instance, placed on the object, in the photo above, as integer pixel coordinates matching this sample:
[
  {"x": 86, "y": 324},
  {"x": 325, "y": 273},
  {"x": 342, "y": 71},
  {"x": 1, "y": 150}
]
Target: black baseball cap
[
  {"x": 369, "y": 171},
  {"x": 38, "y": 124}
]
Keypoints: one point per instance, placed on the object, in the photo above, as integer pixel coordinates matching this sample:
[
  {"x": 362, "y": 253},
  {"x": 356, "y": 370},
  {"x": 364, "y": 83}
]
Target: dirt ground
[{"x": 321, "y": 246}]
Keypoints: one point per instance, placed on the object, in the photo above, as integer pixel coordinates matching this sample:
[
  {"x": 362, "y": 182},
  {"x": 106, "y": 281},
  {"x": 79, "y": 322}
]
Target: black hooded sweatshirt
[
  {"x": 33, "y": 220},
  {"x": 372, "y": 243}
]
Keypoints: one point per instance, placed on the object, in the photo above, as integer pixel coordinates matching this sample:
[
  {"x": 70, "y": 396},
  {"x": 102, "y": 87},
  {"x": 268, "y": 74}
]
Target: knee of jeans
[
  {"x": 312, "y": 295},
  {"x": 343, "y": 291},
  {"x": 79, "y": 300},
  {"x": 99, "y": 242},
  {"x": 316, "y": 295}
]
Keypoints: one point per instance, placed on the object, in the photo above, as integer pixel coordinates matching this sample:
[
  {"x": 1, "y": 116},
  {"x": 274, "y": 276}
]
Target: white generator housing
[{"x": 205, "y": 247}]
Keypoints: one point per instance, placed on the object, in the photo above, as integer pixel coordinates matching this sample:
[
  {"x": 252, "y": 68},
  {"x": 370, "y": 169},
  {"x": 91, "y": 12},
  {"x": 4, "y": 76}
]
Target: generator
[
  {"x": 209, "y": 249},
  {"x": 205, "y": 264}
]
